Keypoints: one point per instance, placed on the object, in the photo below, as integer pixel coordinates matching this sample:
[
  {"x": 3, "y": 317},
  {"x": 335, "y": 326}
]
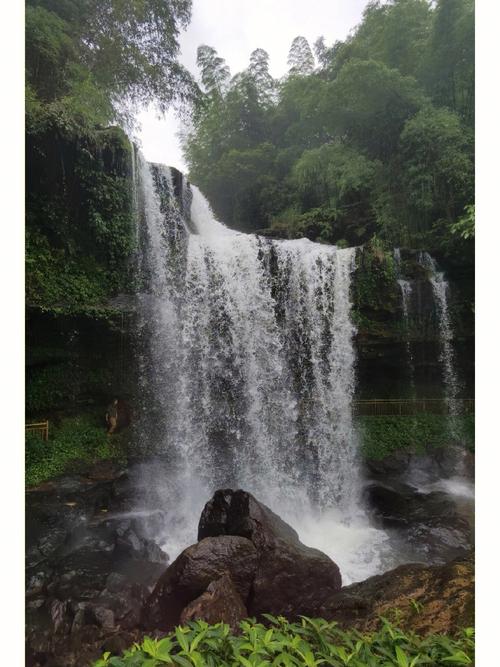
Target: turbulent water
[{"x": 248, "y": 374}]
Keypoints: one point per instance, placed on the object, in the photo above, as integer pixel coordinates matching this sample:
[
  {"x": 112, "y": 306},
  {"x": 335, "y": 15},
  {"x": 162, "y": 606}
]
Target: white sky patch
[{"x": 235, "y": 28}]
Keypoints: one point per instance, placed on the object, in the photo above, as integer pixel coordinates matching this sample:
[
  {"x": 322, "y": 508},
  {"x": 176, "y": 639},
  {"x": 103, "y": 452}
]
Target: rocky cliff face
[
  {"x": 81, "y": 246},
  {"x": 385, "y": 335}
]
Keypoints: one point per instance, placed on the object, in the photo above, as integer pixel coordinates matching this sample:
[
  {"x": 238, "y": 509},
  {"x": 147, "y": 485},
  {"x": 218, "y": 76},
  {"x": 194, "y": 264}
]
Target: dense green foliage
[
  {"x": 79, "y": 231},
  {"x": 92, "y": 62},
  {"x": 376, "y": 138},
  {"x": 384, "y": 435},
  {"x": 311, "y": 643},
  {"x": 375, "y": 291},
  {"x": 88, "y": 65},
  {"x": 81, "y": 438}
]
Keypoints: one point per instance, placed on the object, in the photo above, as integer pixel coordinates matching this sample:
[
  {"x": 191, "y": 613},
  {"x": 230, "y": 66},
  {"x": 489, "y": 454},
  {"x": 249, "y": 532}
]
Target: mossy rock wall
[{"x": 383, "y": 335}]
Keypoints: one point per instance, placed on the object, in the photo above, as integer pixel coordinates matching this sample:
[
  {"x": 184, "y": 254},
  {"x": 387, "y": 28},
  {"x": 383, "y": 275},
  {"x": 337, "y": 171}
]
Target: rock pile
[{"x": 247, "y": 562}]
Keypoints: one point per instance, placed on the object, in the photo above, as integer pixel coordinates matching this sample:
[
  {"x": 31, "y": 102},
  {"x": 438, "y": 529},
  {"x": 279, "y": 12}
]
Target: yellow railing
[
  {"x": 412, "y": 406},
  {"x": 39, "y": 427}
]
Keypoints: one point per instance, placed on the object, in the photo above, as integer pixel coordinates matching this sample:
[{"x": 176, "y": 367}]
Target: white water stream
[
  {"x": 248, "y": 369},
  {"x": 440, "y": 290},
  {"x": 406, "y": 290}
]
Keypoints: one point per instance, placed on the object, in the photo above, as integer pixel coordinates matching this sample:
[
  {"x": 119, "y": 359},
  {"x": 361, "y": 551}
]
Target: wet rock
[
  {"x": 89, "y": 567},
  {"x": 37, "y": 603},
  {"x": 127, "y": 543},
  {"x": 36, "y": 582},
  {"x": 80, "y": 619},
  {"x": 272, "y": 570},
  {"x": 153, "y": 553},
  {"x": 105, "y": 617},
  {"x": 192, "y": 572},
  {"x": 239, "y": 513},
  {"x": 291, "y": 578},
  {"x": 59, "y": 616},
  {"x": 221, "y": 602},
  {"x": 401, "y": 505},
  {"x": 430, "y": 599},
  {"x": 428, "y": 523},
  {"x": 116, "y": 582},
  {"x": 106, "y": 470},
  {"x": 293, "y": 581},
  {"x": 392, "y": 465}
]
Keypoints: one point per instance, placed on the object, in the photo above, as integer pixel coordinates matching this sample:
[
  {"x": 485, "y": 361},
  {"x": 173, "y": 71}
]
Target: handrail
[
  {"x": 42, "y": 427},
  {"x": 412, "y": 406}
]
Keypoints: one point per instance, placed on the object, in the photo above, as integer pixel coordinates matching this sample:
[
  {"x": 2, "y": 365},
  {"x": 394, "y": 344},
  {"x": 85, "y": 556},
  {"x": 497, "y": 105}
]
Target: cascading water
[
  {"x": 248, "y": 375},
  {"x": 406, "y": 292},
  {"x": 440, "y": 291}
]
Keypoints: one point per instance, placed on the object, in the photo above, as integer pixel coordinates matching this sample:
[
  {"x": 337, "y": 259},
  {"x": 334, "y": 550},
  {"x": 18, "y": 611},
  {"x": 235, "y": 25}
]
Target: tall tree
[
  {"x": 449, "y": 62},
  {"x": 300, "y": 57},
  {"x": 258, "y": 71},
  {"x": 214, "y": 71},
  {"x": 321, "y": 51}
]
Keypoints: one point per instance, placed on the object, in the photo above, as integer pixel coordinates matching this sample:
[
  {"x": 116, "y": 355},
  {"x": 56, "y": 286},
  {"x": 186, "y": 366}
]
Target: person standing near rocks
[{"x": 112, "y": 416}]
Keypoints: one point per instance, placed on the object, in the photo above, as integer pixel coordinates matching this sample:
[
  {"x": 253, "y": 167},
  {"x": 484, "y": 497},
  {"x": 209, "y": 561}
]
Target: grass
[
  {"x": 384, "y": 435},
  {"x": 80, "y": 438}
]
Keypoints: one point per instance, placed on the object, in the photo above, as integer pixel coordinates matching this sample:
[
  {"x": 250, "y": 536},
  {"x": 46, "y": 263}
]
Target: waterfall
[
  {"x": 247, "y": 369},
  {"x": 405, "y": 288},
  {"x": 440, "y": 291}
]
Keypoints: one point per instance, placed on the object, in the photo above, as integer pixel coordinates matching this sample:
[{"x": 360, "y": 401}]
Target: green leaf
[
  {"x": 180, "y": 660},
  {"x": 149, "y": 646},
  {"x": 459, "y": 658},
  {"x": 401, "y": 657},
  {"x": 182, "y": 639}
]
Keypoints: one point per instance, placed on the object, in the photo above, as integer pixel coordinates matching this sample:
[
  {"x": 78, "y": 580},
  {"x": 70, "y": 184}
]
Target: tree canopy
[
  {"x": 99, "y": 59},
  {"x": 372, "y": 135}
]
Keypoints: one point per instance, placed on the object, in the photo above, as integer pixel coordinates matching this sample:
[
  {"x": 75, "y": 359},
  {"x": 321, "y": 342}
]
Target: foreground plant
[{"x": 311, "y": 642}]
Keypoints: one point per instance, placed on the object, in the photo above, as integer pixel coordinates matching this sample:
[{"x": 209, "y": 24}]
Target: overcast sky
[{"x": 235, "y": 28}]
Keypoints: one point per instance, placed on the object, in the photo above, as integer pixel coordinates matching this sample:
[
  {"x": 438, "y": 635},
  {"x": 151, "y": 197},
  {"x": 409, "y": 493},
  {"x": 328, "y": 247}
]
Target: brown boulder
[
  {"x": 429, "y": 599},
  {"x": 291, "y": 578},
  {"x": 239, "y": 513},
  {"x": 192, "y": 572},
  {"x": 221, "y": 602}
]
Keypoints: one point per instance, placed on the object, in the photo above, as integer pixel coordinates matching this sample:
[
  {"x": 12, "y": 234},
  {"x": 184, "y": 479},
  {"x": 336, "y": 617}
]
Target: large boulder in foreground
[
  {"x": 272, "y": 571},
  {"x": 291, "y": 579},
  {"x": 429, "y": 599},
  {"x": 191, "y": 574}
]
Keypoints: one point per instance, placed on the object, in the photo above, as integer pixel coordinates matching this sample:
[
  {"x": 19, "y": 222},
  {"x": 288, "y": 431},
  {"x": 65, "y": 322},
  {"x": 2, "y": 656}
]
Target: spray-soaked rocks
[
  {"x": 91, "y": 566},
  {"x": 270, "y": 570},
  {"x": 430, "y": 527}
]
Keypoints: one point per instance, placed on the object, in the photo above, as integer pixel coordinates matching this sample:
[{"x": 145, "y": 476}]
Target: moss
[{"x": 376, "y": 300}]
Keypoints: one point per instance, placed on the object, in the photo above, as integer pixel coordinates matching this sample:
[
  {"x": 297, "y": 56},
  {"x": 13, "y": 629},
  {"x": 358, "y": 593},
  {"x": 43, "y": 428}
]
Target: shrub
[
  {"x": 311, "y": 642},
  {"x": 383, "y": 435},
  {"x": 79, "y": 438}
]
